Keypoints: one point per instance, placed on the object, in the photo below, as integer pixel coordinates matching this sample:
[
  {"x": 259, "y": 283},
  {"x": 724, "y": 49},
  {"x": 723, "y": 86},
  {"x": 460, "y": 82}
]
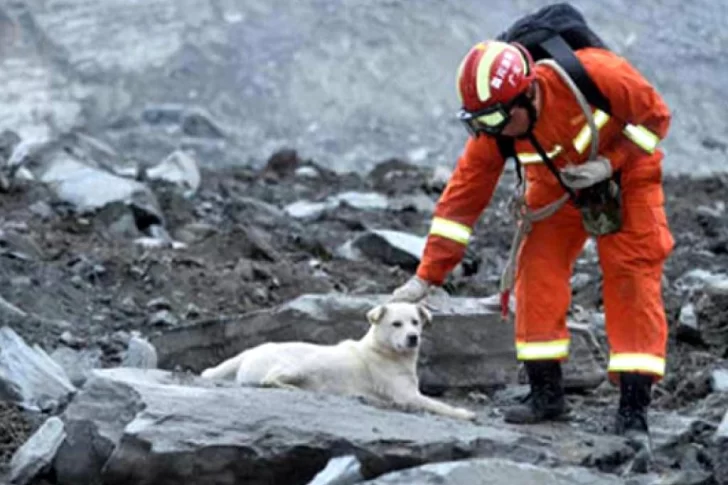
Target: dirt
[{"x": 84, "y": 286}]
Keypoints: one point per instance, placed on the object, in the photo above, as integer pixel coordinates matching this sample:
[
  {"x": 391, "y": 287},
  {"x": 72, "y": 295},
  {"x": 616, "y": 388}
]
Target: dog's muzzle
[{"x": 412, "y": 340}]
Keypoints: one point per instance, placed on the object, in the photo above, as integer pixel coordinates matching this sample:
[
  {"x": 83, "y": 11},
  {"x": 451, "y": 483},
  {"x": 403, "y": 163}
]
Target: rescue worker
[{"x": 503, "y": 93}]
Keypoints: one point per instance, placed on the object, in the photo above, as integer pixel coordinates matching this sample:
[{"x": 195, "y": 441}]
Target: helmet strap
[{"x": 526, "y": 100}]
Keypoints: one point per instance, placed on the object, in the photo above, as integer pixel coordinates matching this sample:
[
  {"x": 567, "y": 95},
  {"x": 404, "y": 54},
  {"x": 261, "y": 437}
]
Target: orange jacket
[{"x": 639, "y": 119}]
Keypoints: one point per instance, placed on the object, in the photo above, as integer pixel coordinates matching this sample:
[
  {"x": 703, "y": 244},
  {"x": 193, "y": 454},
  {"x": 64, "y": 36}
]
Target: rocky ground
[{"x": 247, "y": 239}]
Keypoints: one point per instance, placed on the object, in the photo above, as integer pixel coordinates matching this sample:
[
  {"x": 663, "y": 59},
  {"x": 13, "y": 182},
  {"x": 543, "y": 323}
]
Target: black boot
[
  {"x": 546, "y": 400},
  {"x": 635, "y": 395}
]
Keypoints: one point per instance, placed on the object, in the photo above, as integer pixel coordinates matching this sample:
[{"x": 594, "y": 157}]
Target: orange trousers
[{"x": 631, "y": 261}]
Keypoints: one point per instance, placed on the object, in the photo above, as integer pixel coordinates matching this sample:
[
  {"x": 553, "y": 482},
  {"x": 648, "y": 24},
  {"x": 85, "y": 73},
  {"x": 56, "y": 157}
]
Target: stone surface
[
  {"x": 394, "y": 248},
  {"x": 467, "y": 346},
  {"x": 28, "y": 376},
  {"x": 150, "y": 426},
  {"x": 38, "y": 452},
  {"x": 494, "y": 471},
  {"x": 178, "y": 168}
]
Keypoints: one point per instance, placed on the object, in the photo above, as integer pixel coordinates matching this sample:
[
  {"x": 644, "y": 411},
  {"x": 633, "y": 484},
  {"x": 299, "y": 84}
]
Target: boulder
[
  {"x": 468, "y": 346},
  {"x": 394, "y": 248},
  {"x": 38, "y": 452},
  {"x": 494, "y": 471},
  {"x": 721, "y": 443},
  {"x": 28, "y": 376},
  {"x": 179, "y": 168},
  {"x": 133, "y": 426}
]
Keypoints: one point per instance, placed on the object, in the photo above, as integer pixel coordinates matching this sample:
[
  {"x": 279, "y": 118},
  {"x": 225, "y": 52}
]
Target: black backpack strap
[
  {"x": 564, "y": 55},
  {"x": 507, "y": 147},
  {"x": 550, "y": 164}
]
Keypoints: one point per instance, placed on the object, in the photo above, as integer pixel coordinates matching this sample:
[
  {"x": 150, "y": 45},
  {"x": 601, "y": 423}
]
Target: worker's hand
[
  {"x": 587, "y": 174},
  {"x": 414, "y": 290}
]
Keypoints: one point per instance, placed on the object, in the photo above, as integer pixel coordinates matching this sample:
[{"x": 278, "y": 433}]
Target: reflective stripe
[
  {"x": 584, "y": 137},
  {"x": 642, "y": 137},
  {"x": 636, "y": 362},
  {"x": 526, "y": 158},
  {"x": 450, "y": 230},
  {"x": 555, "y": 349}
]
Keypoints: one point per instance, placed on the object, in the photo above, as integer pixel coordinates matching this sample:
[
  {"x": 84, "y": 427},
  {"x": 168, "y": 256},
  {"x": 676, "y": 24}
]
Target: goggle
[{"x": 491, "y": 120}]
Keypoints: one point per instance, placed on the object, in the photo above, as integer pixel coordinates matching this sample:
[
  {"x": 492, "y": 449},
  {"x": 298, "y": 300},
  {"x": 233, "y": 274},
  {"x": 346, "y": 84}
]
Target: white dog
[{"x": 380, "y": 367}]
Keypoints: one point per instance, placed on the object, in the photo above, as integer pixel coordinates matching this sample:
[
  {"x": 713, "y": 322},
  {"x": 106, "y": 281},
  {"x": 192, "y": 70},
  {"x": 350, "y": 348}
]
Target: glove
[
  {"x": 414, "y": 290},
  {"x": 587, "y": 174}
]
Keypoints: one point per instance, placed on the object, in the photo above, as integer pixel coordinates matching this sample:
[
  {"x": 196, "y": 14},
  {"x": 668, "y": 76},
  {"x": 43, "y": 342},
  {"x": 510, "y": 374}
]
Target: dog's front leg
[{"x": 420, "y": 401}]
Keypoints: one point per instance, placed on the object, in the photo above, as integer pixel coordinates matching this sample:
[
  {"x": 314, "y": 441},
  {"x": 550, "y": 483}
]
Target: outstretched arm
[{"x": 467, "y": 194}]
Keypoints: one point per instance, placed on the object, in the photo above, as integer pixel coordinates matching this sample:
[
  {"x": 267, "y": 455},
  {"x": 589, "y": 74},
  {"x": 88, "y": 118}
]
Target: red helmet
[{"x": 491, "y": 77}]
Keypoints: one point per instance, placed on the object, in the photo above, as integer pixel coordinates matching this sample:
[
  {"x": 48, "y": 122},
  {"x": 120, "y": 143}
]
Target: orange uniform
[{"x": 631, "y": 259}]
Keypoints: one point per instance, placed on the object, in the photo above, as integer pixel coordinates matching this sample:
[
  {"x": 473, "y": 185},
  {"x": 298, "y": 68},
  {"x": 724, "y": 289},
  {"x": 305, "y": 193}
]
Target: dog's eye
[
  {"x": 415, "y": 322},
  {"x": 397, "y": 324}
]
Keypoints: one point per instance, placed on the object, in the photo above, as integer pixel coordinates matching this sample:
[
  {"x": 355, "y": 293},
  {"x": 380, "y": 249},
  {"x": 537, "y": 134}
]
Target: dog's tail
[{"x": 224, "y": 369}]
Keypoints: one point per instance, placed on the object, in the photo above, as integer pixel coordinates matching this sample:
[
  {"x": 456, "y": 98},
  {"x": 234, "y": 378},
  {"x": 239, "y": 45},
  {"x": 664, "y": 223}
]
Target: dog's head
[{"x": 398, "y": 326}]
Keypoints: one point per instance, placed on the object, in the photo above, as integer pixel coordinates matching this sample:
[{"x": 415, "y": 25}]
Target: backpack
[{"x": 555, "y": 32}]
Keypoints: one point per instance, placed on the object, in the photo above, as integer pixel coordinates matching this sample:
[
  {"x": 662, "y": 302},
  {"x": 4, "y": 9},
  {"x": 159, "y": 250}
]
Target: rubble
[
  {"x": 225, "y": 267},
  {"x": 168, "y": 438}
]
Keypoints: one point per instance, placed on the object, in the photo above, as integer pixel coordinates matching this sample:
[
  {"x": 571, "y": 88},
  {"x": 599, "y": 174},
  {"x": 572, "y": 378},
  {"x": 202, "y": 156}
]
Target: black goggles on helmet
[{"x": 491, "y": 120}]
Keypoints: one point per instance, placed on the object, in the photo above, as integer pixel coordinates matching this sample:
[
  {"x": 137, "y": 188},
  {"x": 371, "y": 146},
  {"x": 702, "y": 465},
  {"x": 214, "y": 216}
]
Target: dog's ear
[
  {"x": 375, "y": 314},
  {"x": 425, "y": 315}
]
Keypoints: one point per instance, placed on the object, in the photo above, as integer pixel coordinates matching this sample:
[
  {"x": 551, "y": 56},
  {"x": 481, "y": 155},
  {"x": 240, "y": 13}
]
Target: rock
[
  {"x": 494, "y": 471},
  {"x": 359, "y": 200},
  {"x": 135, "y": 426},
  {"x": 283, "y": 162},
  {"x": 712, "y": 313},
  {"x": 117, "y": 221},
  {"x": 77, "y": 363},
  {"x": 393, "y": 248},
  {"x": 306, "y": 210},
  {"x": 179, "y": 168},
  {"x": 688, "y": 329},
  {"x": 9, "y": 312},
  {"x": 719, "y": 380},
  {"x": 159, "y": 303},
  {"x": 721, "y": 443},
  {"x": 19, "y": 246},
  {"x": 162, "y": 318},
  {"x": 197, "y": 122},
  {"x": 416, "y": 202},
  {"x": 440, "y": 176},
  {"x": 28, "y": 376},
  {"x": 468, "y": 346},
  {"x": 341, "y": 470},
  {"x": 94, "y": 424},
  {"x": 38, "y": 452},
  {"x": 140, "y": 354},
  {"x": 308, "y": 172},
  {"x": 88, "y": 188}
]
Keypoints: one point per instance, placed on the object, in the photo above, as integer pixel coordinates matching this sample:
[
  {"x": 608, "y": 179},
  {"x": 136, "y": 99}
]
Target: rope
[{"x": 524, "y": 216}]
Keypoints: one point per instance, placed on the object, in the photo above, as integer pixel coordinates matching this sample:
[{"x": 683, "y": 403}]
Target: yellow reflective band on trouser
[
  {"x": 636, "y": 362},
  {"x": 642, "y": 137},
  {"x": 584, "y": 137},
  {"x": 552, "y": 350},
  {"x": 451, "y": 230},
  {"x": 526, "y": 158}
]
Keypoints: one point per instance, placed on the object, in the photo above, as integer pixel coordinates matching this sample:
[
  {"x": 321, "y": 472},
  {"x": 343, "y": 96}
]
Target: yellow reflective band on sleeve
[
  {"x": 451, "y": 230},
  {"x": 636, "y": 362},
  {"x": 642, "y": 137},
  {"x": 526, "y": 158},
  {"x": 584, "y": 137},
  {"x": 555, "y": 349}
]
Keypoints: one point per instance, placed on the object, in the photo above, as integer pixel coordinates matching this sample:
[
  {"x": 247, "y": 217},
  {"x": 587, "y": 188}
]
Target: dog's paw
[{"x": 465, "y": 414}]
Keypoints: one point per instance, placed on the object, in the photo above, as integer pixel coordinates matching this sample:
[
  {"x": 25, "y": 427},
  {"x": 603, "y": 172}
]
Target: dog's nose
[{"x": 412, "y": 340}]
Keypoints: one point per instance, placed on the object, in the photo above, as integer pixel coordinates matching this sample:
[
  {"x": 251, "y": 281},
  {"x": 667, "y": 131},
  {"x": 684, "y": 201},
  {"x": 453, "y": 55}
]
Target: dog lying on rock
[{"x": 381, "y": 367}]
